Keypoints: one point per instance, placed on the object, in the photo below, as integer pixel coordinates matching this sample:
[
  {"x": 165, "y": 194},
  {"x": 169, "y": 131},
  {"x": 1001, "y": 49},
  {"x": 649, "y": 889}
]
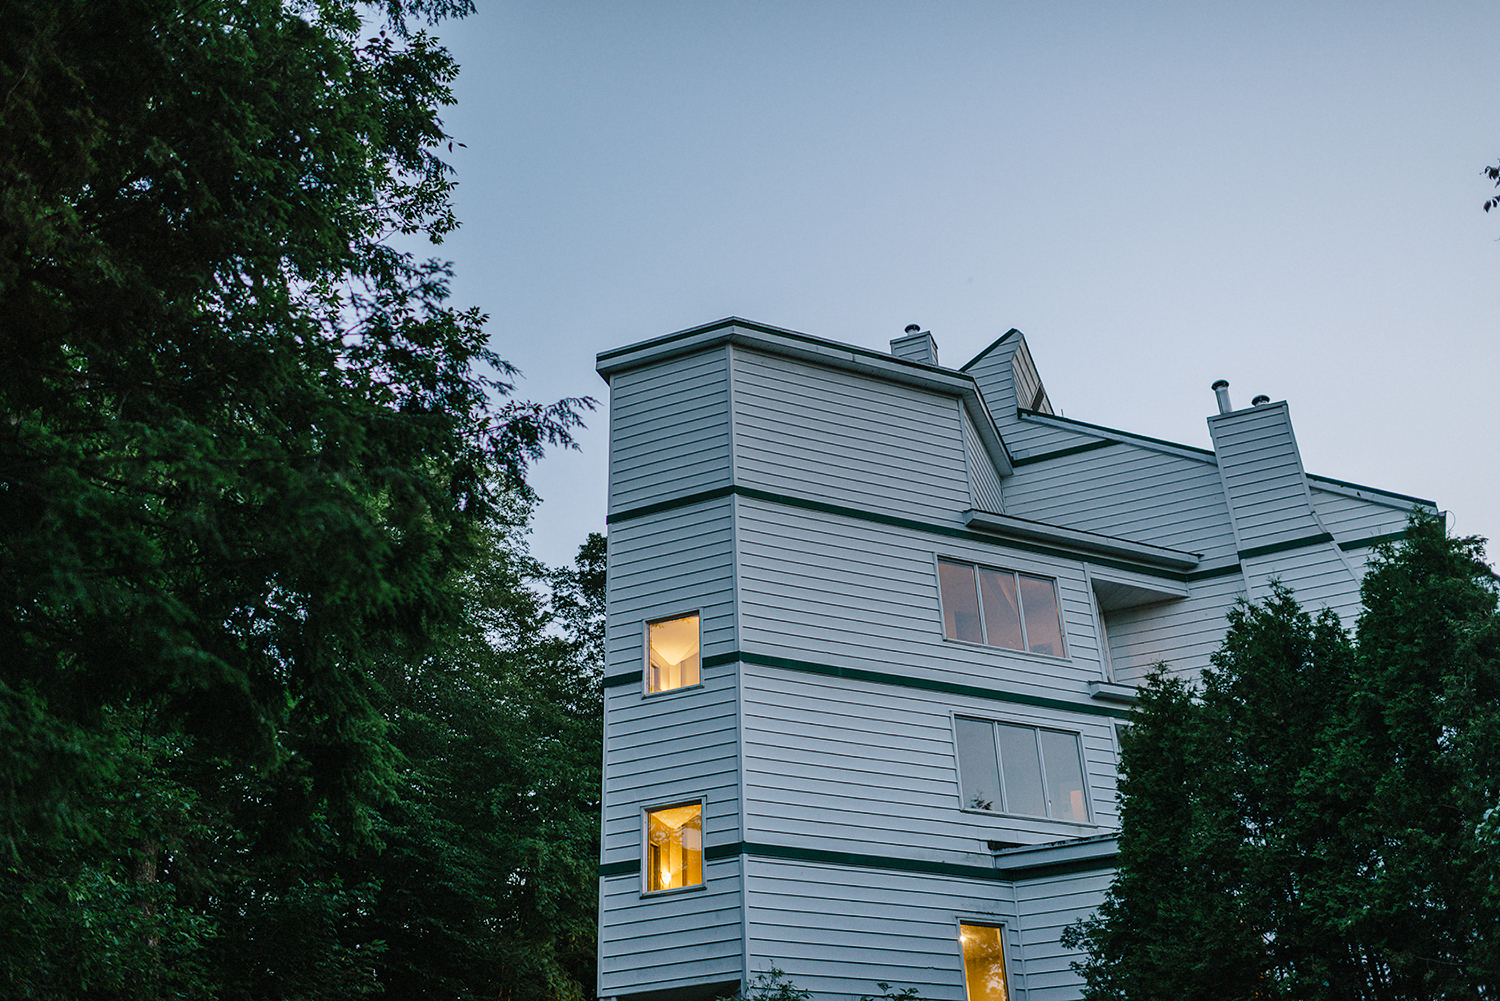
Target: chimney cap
[
  {"x": 913, "y": 328},
  {"x": 1260, "y": 400},
  {"x": 1221, "y": 384}
]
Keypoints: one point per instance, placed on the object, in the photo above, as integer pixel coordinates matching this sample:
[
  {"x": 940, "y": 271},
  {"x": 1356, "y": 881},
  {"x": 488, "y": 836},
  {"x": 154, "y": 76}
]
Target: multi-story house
[{"x": 873, "y": 625}]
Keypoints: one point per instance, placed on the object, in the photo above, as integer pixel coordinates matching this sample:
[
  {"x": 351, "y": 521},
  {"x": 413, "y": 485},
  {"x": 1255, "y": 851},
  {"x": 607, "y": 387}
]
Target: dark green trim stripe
[
  {"x": 629, "y": 677},
  {"x": 862, "y": 860},
  {"x": 1281, "y": 547},
  {"x": 1228, "y": 570},
  {"x": 878, "y": 518},
  {"x": 1060, "y": 453},
  {"x": 993, "y": 345},
  {"x": 930, "y": 685},
  {"x": 1372, "y": 541}
]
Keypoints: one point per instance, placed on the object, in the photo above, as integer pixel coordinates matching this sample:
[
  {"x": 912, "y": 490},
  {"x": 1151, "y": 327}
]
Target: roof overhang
[
  {"x": 1009, "y": 527},
  {"x": 792, "y": 344}
]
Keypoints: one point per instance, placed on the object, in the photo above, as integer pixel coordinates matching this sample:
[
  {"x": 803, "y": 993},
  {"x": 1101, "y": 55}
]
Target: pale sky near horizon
[{"x": 1284, "y": 195}]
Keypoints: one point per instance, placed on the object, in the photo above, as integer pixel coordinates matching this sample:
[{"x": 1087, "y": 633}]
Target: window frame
[
  {"x": 701, "y": 803},
  {"x": 1025, "y": 648},
  {"x": 646, "y": 625},
  {"x": 984, "y": 921},
  {"x": 1037, "y": 730}
]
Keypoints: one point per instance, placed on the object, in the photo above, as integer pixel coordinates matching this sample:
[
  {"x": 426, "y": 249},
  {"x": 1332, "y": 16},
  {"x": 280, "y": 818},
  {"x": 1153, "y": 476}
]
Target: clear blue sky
[{"x": 1284, "y": 195}]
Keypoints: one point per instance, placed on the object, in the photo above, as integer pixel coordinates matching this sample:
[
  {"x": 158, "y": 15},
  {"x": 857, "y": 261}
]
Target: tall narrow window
[
  {"x": 674, "y": 847},
  {"x": 984, "y": 962},
  {"x": 1021, "y": 770},
  {"x": 672, "y": 654},
  {"x": 1002, "y": 608}
]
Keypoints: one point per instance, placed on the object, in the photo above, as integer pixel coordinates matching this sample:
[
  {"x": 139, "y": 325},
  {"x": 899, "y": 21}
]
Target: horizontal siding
[
  {"x": 671, "y": 940},
  {"x": 1182, "y": 634},
  {"x": 670, "y": 747},
  {"x": 1263, "y": 478},
  {"x": 984, "y": 481},
  {"x": 835, "y": 590},
  {"x": 851, "y": 766},
  {"x": 837, "y": 930},
  {"x": 1131, "y": 492},
  {"x": 1318, "y": 575},
  {"x": 837, "y": 437},
  {"x": 1044, "y": 908},
  {"x": 996, "y": 379},
  {"x": 1349, "y": 518},
  {"x": 669, "y": 430}
]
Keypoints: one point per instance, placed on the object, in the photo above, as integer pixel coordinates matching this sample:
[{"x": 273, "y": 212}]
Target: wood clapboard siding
[
  {"x": 1263, "y": 477},
  {"x": 1044, "y": 908},
  {"x": 1132, "y": 492},
  {"x": 1350, "y": 518},
  {"x": 689, "y": 937},
  {"x": 837, "y": 437},
  {"x": 669, "y": 429},
  {"x": 1182, "y": 634},
  {"x": 984, "y": 481},
  {"x": 838, "y": 930},
  {"x": 852, "y": 766},
  {"x": 1319, "y": 576},
  {"x": 670, "y": 747},
  {"x": 836, "y": 590}
]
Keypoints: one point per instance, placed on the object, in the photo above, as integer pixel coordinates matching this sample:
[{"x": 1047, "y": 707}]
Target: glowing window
[
  {"x": 1021, "y": 770},
  {"x": 672, "y": 654},
  {"x": 984, "y": 962},
  {"x": 674, "y": 847},
  {"x": 1002, "y": 608}
]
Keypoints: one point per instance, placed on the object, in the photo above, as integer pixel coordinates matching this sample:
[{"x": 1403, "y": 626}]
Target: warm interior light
[
  {"x": 673, "y": 653},
  {"x": 674, "y": 847}
]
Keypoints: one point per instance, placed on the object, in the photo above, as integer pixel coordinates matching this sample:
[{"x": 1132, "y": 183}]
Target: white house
[{"x": 873, "y": 624}]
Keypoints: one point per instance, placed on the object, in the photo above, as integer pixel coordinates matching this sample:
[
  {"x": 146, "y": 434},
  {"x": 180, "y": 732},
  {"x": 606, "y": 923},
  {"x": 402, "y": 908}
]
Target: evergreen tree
[
  {"x": 1314, "y": 823},
  {"x": 248, "y": 452}
]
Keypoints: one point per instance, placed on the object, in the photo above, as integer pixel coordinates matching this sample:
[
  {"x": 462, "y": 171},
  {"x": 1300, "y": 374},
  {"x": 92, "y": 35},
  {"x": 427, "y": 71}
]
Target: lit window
[
  {"x": 984, "y": 962},
  {"x": 1000, "y": 607},
  {"x": 672, "y": 654},
  {"x": 1021, "y": 769},
  {"x": 674, "y": 847}
]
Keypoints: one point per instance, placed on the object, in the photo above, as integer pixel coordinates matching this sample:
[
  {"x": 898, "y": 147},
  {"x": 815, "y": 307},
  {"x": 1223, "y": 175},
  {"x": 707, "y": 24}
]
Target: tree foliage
[
  {"x": 1318, "y": 821},
  {"x": 249, "y": 456}
]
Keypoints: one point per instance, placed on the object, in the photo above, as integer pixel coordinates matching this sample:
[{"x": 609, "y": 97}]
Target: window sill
[
  {"x": 672, "y": 691},
  {"x": 673, "y": 891},
  {"x": 997, "y": 815}
]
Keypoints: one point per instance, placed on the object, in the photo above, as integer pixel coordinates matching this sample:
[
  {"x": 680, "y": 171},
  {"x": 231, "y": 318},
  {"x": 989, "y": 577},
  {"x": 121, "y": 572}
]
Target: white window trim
[{"x": 1006, "y": 953}]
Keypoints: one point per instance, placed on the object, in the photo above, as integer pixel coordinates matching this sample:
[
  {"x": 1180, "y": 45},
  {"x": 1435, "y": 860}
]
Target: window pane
[
  {"x": 1022, "y": 770},
  {"x": 674, "y": 847},
  {"x": 1002, "y": 619},
  {"x": 978, "y": 774},
  {"x": 1043, "y": 630},
  {"x": 960, "y": 602},
  {"x": 1064, "y": 776},
  {"x": 984, "y": 963},
  {"x": 672, "y": 654}
]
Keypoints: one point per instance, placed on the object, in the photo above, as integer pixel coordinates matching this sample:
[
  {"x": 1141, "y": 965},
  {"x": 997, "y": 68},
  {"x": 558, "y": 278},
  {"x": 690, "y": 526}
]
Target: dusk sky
[{"x": 1286, "y": 196}]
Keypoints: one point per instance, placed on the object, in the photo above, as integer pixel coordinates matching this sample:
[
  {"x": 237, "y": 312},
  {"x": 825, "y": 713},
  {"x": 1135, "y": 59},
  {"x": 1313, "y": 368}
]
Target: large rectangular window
[
  {"x": 1022, "y": 770},
  {"x": 984, "y": 962},
  {"x": 674, "y": 847},
  {"x": 1002, "y": 608},
  {"x": 672, "y": 659}
]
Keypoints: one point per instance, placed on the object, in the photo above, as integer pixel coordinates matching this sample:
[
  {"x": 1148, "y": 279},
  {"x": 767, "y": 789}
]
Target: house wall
[{"x": 801, "y": 508}]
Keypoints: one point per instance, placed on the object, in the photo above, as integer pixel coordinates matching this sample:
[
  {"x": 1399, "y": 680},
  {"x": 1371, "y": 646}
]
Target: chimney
[
  {"x": 1221, "y": 390},
  {"x": 917, "y": 345}
]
